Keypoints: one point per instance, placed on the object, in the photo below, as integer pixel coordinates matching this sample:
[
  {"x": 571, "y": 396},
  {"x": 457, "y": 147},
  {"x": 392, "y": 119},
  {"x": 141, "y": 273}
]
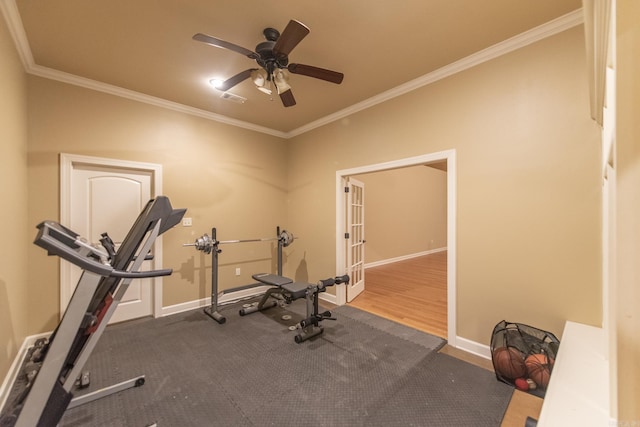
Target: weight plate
[{"x": 287, "y": 238}]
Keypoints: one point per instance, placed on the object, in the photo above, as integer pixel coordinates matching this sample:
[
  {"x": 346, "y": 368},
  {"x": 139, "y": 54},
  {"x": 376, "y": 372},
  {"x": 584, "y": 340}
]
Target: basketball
[
  {"x": 539, "y": 369},
  {"x": 509, "y": 362}
]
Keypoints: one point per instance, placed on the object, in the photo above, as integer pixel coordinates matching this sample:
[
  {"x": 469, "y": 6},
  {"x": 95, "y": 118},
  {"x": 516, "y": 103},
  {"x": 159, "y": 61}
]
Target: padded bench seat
[
  {"x": 296, "y": 289},
  {"x": 272, "y": 279}
]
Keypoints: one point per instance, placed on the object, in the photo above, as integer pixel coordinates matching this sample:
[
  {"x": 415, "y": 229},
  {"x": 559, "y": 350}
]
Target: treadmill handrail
[{"x": 141, "y": 274}]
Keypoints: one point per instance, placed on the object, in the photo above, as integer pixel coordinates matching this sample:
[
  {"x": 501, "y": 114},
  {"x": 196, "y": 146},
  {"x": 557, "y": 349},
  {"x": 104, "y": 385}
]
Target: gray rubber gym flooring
[{"x": 363, "y": 371}]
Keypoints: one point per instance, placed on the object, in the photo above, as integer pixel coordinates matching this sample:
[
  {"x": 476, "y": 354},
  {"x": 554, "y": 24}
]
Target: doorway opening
[{"x": 442, "y": 157}]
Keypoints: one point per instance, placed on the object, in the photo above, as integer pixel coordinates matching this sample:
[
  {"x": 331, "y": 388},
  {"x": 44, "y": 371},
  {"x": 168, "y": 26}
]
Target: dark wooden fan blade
[
  {"x": 292, "y": 35},
  {"x": 232, "y": 81},
  {"x": 225, "y": 45},
  {"x": 287, "y": 98},
  {"x": 318, "y": 73}
]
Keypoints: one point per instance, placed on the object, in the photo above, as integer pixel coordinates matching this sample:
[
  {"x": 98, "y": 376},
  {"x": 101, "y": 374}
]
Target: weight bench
[{"x": 285, "y": 289}]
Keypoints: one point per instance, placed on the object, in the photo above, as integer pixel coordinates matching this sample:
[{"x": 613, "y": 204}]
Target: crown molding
[
  {"x": 73, "y": 79},
  {"x": 14, "y": 22},
  {"x": 541, "y": 32},
  {"x": 12, "y": 16}
]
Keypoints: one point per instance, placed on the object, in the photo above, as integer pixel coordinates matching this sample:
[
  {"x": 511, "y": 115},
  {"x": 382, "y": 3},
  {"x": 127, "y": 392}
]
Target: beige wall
[
  {"x": 626, "y": 292},
  {"x": 225, "y": 176},
  {"x": 527, "y": 170},
  {"x": 528, "y": 195},
  {"x": 405, "y": 212},
  {"x": 14, "y": 305}
]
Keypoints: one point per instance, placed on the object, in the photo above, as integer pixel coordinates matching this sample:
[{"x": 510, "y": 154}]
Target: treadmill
[{"x": 54, "y": 364}]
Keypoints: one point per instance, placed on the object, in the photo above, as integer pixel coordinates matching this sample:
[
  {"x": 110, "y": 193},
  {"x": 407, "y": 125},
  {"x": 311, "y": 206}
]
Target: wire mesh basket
[{"x": 523, "y": 356}]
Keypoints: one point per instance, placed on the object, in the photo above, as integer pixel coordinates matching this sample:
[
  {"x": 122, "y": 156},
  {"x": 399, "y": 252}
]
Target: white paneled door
[
  {"x": 107, "y": 196},
  {"x": 355, "y": 237}
]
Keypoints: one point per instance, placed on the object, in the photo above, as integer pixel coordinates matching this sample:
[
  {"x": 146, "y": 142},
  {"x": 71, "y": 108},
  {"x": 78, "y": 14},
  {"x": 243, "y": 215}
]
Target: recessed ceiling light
[{"x": 216, "y": 83}]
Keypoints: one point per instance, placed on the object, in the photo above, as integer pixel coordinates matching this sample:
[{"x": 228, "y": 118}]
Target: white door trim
[
  {"x": 67, "y": 162},
  {"x": 450, "y": 157}
]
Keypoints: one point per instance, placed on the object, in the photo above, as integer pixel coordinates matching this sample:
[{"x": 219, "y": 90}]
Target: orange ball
[
  {"x": 509, "y": 362},
  {"x": 539, "y": 369}
]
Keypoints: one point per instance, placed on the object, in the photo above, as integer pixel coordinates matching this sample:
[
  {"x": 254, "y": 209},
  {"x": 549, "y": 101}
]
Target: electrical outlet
[
  {"x": 186, "y": 222},
  {"x": 238, "y": 271}
]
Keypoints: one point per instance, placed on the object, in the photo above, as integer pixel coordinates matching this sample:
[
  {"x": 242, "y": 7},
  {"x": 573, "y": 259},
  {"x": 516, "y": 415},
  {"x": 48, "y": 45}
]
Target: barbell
[{"x": 205, "y": 243}]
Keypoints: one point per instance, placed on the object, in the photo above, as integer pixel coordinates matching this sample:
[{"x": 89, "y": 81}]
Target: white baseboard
[
  {"x": 329, "y": 298},
  {"x": 473, "y": 347},
  {"x": 403, "y": 258},
  {"x": 228, "y": 298},
  {"x": 14, "y": 369},
  {"x": 224, "y": 299}
]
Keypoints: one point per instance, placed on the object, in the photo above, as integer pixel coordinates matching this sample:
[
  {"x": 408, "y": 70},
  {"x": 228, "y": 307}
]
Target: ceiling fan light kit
[
  {"x": 272, "y": 55},
  {"x": 281, "y": 80},
  {"x": 261, "y": 80}
]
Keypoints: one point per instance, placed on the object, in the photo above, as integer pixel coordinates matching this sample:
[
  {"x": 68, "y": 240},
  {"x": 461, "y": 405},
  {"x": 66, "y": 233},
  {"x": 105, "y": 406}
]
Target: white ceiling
[{"x": 144, "y": 49}]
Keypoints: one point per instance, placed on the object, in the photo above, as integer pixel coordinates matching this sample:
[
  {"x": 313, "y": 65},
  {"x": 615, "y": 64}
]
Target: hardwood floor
[{"x": 414, "y": 293}]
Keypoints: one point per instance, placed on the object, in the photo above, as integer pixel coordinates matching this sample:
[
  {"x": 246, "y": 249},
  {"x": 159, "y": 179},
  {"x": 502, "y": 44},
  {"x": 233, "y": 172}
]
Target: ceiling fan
[{"x": 272, "y": 56}]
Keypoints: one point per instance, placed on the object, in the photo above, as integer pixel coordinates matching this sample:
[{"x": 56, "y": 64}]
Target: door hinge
[
  {"x": 346, "y": 189},
  {"x": 346, "y": 235}
]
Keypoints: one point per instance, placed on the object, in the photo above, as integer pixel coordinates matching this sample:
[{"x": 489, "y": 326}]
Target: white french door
[
  {"x": 105, "y": 195},
  {"x": 355, "y": 239}
]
